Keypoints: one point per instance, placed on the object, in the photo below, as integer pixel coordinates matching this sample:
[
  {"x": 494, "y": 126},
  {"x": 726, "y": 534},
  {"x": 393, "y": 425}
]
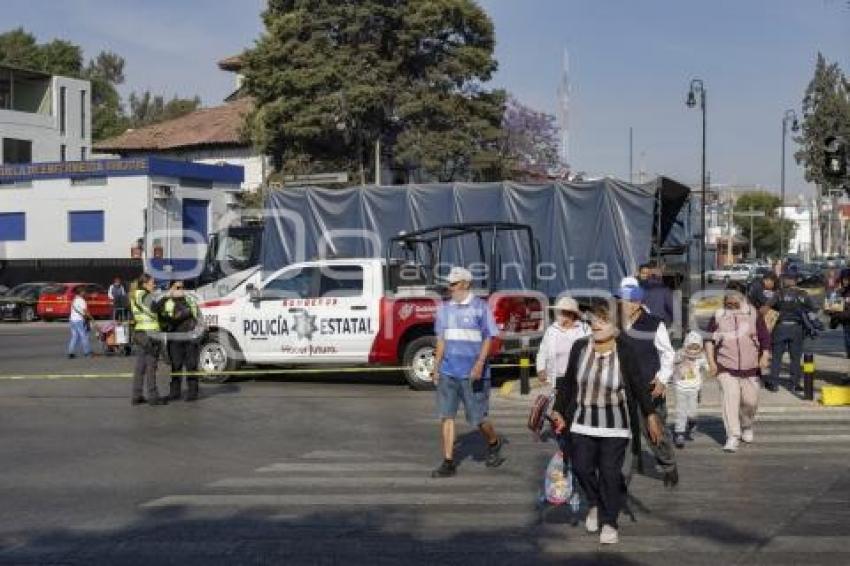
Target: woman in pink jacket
[{"x": 739, "y": 347}]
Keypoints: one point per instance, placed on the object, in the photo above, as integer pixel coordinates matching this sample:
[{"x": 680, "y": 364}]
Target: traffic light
[{"x": 835, "y": 159}]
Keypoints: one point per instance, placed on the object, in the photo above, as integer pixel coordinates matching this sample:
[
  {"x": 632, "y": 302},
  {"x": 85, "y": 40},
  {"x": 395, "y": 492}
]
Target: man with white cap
[
  {"x": 554, "y": 351},
  {"x": 648, "y": 336},
  {"x": 465, "y": 328}
]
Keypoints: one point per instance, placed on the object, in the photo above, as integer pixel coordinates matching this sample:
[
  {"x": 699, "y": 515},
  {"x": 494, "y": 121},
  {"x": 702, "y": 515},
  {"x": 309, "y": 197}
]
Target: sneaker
[
  {"x": 731, "y": 444},
  {"x": 494, "y": 455},
  {"x": 771, "y": 386},
  {"x": 608, "y": 535},
  {"x": 71, "y": 356},
  {"x": 591, "y": 522},
  {"x": 679, "y": 440},
  {"x": 747, "y": 435},
  {"x": 446, "y": 470}
]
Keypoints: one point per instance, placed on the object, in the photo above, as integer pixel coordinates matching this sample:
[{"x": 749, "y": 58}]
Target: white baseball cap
[
  {"x": 458, "y": 274},
  {"x": 568, "y": 304}
]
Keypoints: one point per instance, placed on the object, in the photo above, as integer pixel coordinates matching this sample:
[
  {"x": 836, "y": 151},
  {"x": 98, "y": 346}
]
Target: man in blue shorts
[{"x": 465, "y": 328}]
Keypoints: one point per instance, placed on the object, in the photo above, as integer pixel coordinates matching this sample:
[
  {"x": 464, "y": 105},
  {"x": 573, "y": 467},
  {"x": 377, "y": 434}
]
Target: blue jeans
[
  {"x": 79, "y": 335},
  {"x": 452, "y": 391}
]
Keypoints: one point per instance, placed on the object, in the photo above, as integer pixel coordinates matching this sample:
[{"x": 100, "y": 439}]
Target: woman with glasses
[{"x": 599, "y": 402}]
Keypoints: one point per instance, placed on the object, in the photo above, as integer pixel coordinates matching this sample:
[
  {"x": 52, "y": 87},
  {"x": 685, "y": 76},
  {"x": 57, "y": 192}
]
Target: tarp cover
[{"x": 591, "y": 234}]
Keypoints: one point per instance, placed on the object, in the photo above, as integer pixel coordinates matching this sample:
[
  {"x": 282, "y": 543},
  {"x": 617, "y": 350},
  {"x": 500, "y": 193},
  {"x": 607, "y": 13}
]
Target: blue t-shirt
[{"x": 463, "y": 327}]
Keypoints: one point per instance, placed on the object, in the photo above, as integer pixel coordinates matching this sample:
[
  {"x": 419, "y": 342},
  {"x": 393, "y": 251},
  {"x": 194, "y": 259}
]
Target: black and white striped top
[{"x": 602, "y": 409}]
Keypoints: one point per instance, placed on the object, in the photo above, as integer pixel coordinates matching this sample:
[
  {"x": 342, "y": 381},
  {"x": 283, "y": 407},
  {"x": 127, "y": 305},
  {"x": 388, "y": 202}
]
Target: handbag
[{"x": 539, "y": 413}]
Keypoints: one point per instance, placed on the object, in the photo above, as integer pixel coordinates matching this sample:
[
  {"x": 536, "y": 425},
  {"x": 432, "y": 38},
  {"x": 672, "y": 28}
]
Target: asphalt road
[{"x": 336, "y": 471}]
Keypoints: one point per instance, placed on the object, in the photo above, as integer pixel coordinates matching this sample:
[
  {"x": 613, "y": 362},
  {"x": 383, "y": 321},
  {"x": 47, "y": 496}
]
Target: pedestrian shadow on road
[
  {"x": 713, "y": 428},
  {"x": 394, "y": 535}
]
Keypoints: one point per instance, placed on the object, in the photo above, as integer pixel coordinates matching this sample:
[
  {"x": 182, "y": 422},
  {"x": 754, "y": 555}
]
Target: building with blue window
[{"x": 92, "y": 220}]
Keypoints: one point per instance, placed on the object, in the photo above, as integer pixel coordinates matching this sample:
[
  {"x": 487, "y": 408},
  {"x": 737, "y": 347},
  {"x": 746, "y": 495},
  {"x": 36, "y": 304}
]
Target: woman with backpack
[{"x": 738, "y": 349}]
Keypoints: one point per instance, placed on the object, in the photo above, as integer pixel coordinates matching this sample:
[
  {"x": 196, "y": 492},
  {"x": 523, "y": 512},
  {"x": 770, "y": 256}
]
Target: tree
[
  {"x": 330, "y": 78},
  {"x": 146, "y": 109},
  {"x": 766, "y": 230},
  {"x": 105, "y": 72},
  {"x": 826, "y": 112},
  {"x": 530, "y": 138}
]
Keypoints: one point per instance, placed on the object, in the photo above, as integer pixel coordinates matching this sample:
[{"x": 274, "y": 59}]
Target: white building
[
  {"x": 209, "y": 135},
  {"x": 43, "y": 117},
  {"x": 85, "y": 220}
]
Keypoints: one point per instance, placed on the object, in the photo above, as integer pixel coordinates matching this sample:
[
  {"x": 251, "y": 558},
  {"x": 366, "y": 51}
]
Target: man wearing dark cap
[{"x": 792, "y": 304}]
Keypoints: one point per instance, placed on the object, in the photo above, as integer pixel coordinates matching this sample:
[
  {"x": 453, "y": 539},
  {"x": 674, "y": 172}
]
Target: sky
[{"x": 630, "y": 61}]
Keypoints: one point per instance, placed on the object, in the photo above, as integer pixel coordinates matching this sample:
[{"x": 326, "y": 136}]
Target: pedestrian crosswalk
[{"x": 393, "y": 481}]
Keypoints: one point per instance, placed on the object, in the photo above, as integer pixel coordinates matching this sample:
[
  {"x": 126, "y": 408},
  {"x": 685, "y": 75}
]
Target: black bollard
[
  {"x": 808, "y": 376},
  {"x": 524, "y": 372}
]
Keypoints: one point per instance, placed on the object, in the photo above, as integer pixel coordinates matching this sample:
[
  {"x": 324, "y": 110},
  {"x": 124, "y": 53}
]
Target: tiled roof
[{"x": 218, "y": 125}]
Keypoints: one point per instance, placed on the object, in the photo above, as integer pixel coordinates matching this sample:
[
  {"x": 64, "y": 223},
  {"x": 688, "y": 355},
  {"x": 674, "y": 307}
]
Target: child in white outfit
[{"x": 690, "y": 371}]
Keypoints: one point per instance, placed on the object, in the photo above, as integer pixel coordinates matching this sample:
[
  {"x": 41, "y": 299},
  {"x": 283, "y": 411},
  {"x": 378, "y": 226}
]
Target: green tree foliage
[
  {"x": 826, "y": 112},
  {"x": 105, "y": 71},
  {"x": 766, "y": 230},
  {"x": 331, "y": 77},
  {"x": 147, "y": 108}
]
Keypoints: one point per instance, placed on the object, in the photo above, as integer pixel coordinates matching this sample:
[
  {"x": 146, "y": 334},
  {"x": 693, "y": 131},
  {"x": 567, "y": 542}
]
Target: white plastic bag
[{"x": 559, "y": 484}]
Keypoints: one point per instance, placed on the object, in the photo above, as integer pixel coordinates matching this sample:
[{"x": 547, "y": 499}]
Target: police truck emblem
[{"x": 305, "y": 325}]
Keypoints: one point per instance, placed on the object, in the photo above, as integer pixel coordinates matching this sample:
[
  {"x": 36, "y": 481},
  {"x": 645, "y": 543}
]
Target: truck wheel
[
  {"x": 418, "y": 358},
  {"x": 216, "y": 358},
  {"x": 27, "y": 314}
]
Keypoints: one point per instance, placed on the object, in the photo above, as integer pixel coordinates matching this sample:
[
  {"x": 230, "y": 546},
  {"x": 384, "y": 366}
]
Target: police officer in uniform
[
  {"x": 146, "y": 335},
  {"x": 180, "y": 315},
  {"x": 792, "y": 304}
]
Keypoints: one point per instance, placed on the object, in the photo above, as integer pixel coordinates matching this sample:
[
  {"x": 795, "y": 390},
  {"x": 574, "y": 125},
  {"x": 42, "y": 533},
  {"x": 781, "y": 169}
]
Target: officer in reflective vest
[
  {"x": 180, "y": 316},
  {"x": 146, "y": 335}
]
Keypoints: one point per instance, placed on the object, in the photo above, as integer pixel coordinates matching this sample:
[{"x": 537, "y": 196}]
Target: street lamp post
[
  {"x": 790, "y": 117},
  {"x": 698, "y": 87}
]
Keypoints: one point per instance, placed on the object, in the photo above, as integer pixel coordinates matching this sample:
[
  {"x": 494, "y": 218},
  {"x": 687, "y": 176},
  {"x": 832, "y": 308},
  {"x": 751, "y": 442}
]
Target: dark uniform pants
[
  {"x": 787, "y": 337},
  {"x": 183, "y": 355},
  {"x": 144, "y": 374}
]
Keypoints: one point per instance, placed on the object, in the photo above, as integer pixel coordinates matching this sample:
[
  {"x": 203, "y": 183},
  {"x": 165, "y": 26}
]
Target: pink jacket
[{"x": 739, "y": 337}]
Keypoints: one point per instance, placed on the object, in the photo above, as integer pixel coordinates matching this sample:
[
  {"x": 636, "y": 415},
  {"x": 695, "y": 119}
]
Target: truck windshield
[{"x": 236, "y": 249}]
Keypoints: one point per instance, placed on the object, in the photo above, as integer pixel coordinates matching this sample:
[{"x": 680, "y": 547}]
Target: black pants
[
  {"x": 184, "y": 357},
  {"x": 598, "y": 467},
  {"x": 787, "y": 337},
  {"x": 144, "y": 374}
]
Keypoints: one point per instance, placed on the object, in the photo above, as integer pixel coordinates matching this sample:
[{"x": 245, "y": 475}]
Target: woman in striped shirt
[{"x": 598, "y": 402}]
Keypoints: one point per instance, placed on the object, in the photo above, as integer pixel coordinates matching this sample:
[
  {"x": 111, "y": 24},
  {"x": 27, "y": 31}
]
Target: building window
[
  {"x": 82, "y": 153},
  {"x": 83, "y": 115},
  {"x": 13, "y": 227},
  {"x": 195, "y": 220},
  {"x": 63, "y": 91},
  {"x": 17, "y": 151},
  {"x": 5, "y": 90},
  {"x": 85, "y": 226},
  {"x": 62, "y": 152}
]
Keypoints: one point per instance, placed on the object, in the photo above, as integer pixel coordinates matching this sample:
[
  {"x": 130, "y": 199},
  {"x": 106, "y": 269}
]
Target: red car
[{"x": 55, "y": 301}]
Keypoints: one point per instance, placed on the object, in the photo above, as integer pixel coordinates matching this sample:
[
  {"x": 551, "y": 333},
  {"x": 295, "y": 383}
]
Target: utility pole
[
  {"x": 631, "y": 155},
  {"x": 378, "y": 162}
]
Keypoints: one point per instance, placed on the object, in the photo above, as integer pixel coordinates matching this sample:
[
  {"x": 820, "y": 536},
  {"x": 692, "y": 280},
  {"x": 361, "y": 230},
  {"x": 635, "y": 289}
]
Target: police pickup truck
[{"x": 360, "y": 312}]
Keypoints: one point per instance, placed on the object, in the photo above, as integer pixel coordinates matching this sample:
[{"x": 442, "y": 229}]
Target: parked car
[
  {"x": 55, "y": 300},
  {"x": 721, "y": 274},
  {"x": 21, "y": 302},
  {"x": 758, "y": 273}
]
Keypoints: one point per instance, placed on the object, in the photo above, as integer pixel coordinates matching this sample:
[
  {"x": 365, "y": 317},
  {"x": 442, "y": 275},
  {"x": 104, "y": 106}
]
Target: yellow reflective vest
[{"x": 145, "y": 319}]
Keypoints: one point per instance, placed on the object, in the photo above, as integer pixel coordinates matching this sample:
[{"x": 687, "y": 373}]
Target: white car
[{"x": 736, "y": 272}]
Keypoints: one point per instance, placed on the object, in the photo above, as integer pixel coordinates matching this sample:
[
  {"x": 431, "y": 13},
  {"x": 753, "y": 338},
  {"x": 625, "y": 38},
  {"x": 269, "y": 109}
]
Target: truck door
[
  {"x": 274, "y": 323},
  {"x": 347, "y": 313}
]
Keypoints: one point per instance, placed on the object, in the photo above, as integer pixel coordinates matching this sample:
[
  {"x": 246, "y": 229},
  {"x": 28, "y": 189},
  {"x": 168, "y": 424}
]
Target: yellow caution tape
[{"x": 245, "y": 372}]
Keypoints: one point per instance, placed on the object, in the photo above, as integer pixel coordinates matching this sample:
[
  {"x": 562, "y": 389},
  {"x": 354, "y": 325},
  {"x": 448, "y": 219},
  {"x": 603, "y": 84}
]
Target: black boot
[
  {"x": 174, "y": 389},
  {"x": 192, "y": 386}
]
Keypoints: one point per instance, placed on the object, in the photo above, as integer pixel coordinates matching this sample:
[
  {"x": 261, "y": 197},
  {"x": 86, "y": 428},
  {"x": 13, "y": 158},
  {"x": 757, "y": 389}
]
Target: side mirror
[{"x": 254, "y": 293}]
